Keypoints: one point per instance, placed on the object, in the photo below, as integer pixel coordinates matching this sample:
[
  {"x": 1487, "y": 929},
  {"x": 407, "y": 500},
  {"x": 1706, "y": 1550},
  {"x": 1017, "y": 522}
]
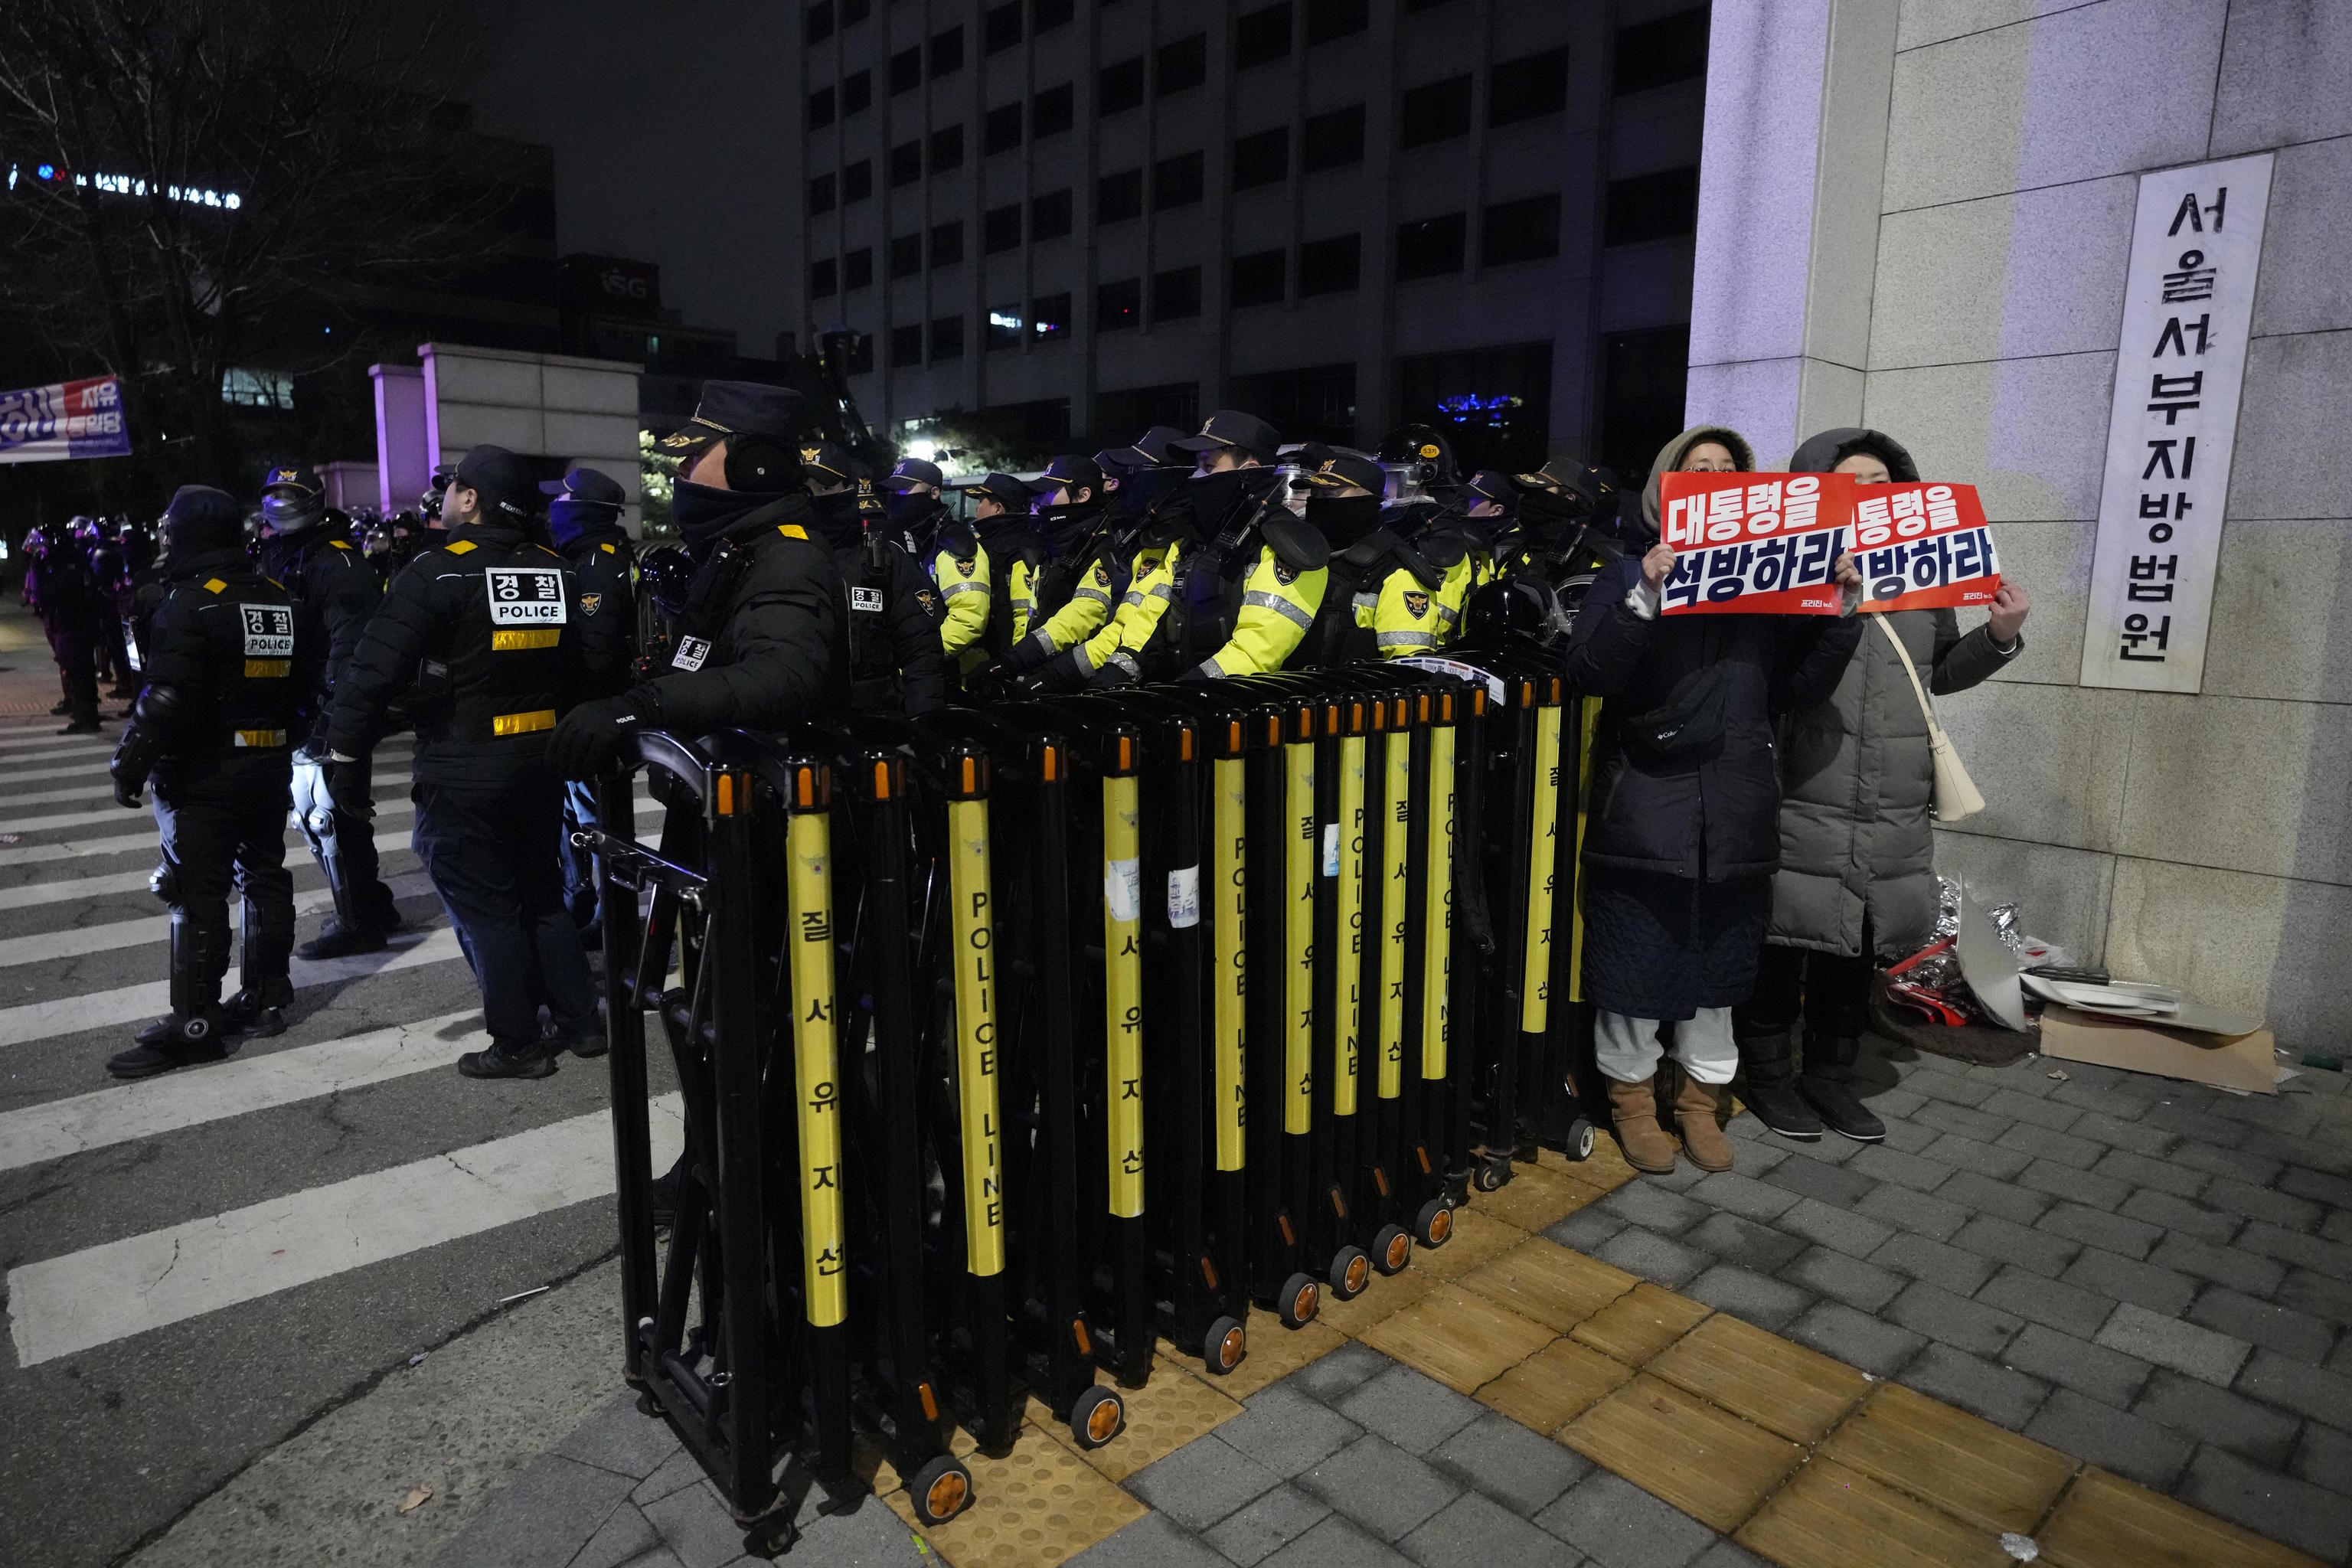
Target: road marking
[
  {"x": 131, "y": 843},
  {"x": 59, "y": 743},
  {"x": 151, "y": 1106},
  {"x": 118, "y": 813},
  {"x": 95, "y": 772},
  {"x": 100, "y": 1294},
  {"x": 42, "y": 946}
]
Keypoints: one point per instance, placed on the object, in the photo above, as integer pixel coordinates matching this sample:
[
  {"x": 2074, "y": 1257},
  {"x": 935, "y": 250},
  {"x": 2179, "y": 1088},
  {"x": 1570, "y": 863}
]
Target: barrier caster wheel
[
  {"x": 1351, "y": 1270},
  {"x": 1579, "y": 1139},
  {"x": 1301, "y": 1298},
  {"x": 1226, "y": 1342},
  {"x": 940, "y": 1489},
  {"x": 1435, "y": 1223},
  {"x": 1493, "y": 1172},
  {"x": 1391, "y": 1249},
  {"x": 1096, "y": 1417},
  {"x": 771, "y": 1537}
]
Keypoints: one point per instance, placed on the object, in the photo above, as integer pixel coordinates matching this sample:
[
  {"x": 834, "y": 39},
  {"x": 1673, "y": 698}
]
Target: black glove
[
  {"x": 584, "y": 742},
  {"x": 133, "y": 759},
  {"x": 1025, "y": 655},
  {"x": 1062, "y": 673},
  {"x": 347, "y": 786},
  {"x": 1119, "y": 669}
]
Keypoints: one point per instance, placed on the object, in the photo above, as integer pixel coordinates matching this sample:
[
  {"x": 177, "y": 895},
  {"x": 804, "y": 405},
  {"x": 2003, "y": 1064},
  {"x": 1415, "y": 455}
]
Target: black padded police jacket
[
  {"x": 605, "y": 591},
  {"x": 334, "y": 591},
  {"x": 225, "y": 642}
]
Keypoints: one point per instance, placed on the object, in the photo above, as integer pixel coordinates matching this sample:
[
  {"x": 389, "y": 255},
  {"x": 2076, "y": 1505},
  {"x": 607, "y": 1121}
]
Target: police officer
[
  {"x": 485, "y": 628},
  {"x": 335, "y": 591},
  {"x": 760, "y": 638},
  {"x": 910, "y": 498},
  {"x": 1261, "y": 578},
  {"x": 105, "y": 569},
  {"x": 59, "y": 587},
  {"x": 211, "y": 731},
  {"x": 583, "y": 519},
  {"x": 1384, "y": 593},
  {"x": 896, "y": 663},
  {"x": 1152, "y": 530},
  {"x": 1076, "y": 589}
]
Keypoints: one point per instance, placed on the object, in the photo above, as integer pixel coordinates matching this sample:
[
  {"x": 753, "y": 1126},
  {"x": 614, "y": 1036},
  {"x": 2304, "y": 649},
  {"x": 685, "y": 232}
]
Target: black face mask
[
  {"x": 1066, "y": 524},
  {"x": 1343, "y": 520},
  {"x": 907, "y": 506},
  {"x": 837, "y": 519},
  {"x": 567, "y": 520},
  {"x": 1141, "y": 490},
  {"x": 703, "y": 511},
  {"x": 1217, "y": 495}
]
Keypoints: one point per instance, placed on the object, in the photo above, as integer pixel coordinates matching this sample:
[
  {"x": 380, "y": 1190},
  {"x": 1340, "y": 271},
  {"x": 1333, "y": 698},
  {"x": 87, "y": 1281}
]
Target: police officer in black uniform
[
  {"x": 911, "y": 496},
  {"x": 895, "y": 661},
  {"x": 584, "y": 521},
  {"x": 59, "y": 587},
  {"x": 335, "y": 591},
  {"x": 760, "y": 637},
  {"x": 485, "y": 627},
  {"x": 211, "y": 731}
]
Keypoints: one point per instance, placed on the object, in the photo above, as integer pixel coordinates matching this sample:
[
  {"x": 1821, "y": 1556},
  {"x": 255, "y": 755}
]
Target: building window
[
  {"x": 1653, "y": 53},
  {"x": 823, "y": 278},
  {"x": 946, "y": 243},
  {"x": 1175, "y": 294},
  {"x": 855, "y": 11},
  {"x": 947, "y": 53},
  {"x": 1000, "y": 230},
  {"x": 857, "y": 269},
  {"x": 1000, "y": 27},
  {"x": 1140, "y": 408},
  {"x": 947, "y": 149},
  {"x": 821, "y": 195},
  {"x": 1316, "y": 404},
  {"x": 906, "y": 70},
  {"x": 1049, "y": 215},
  {"x": 1332, "y": 141},
  {"x": 857, "y": 180},
  {"x": 1118, "y": 88},
  {"x": 1645, "y": 379},
  {"x": 820, "y": 21},
  {"x": 1176, "y": 181},
  {"x": 861, "y": 353},
  {"x": 1049, "y": 317},
  {"x": 1258, "y": 278},
  {"x": 1119, "y": 197},
  {"x": 1261, "y": 158},
  {"x": 905, "y": 255},
  {"x": 856, "y": 93},
  {"x": 1181, "y": 65},
  {"x": 1000, "y": 131},
  {"x": 820, "y": 107},
  {"x": 1436, "y": 111},
  {"x": 1329, "y": 19},
  {"x": 1051, "y": 111},
  {"x": 1494, "y": 403},
  {"x": 1119, "y": 307},
  {"x": 906, "y": 346},
  {"x": 1651, "y": 207},
  {"x": 1523, "y": 89},
  {"x": 905, "y": 163},
  {"x": 947, "y": 338},
  {"x": 1262, "y": 35},
  {"x": 1523, "y": 230},
  {"x": 1330, "y": 266},
  {"x": 1431, "y": 247},
  {"x": 1045, "y": 16},
  {"x": 1005, "y": 330}
]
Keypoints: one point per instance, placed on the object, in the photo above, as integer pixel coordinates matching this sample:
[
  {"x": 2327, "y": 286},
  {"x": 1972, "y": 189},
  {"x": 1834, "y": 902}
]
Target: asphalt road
[{"x": 193, "y": 1269}]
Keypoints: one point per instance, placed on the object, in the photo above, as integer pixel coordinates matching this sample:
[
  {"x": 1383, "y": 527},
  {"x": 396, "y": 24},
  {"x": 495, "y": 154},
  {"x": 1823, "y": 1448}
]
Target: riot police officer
[
  {"x": 1009, "y": 555},
  {"x": 1152, "y": 530},
  {"x": 895, "y": 659},
  {"x": 105, "y": 569},
  {"x": 1075, "y": 591},
  {"x": 335, "y": 591},
  {"x": 583, "y": 519},
  {"x": 910, "y": 498},
  {"x": 211, "y": 729},
  {"x": 484, "y": 626},
  {"x": 760, "y": 638},
  {"x": 1384, "y": 593},
  {"x": 59, "y": 587},
  {"x": 947, "y": 548},
  {"x": 1260, "y": 580}
]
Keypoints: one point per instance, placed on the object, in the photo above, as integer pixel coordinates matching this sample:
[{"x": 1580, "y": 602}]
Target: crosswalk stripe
[
  {"x": 41, "y": 947},
  {"x": 33, "y": 894},
  {"x": 94, "y": 770},
  {"x": 79, "y": 751},
  {"x": 64, "y": 1305},
  {"x": 382, "y": 786},
  {"x": 57, "y": 742},
  {"x": 128, "y": 843},
  {"x": 149, "y": 1108}
]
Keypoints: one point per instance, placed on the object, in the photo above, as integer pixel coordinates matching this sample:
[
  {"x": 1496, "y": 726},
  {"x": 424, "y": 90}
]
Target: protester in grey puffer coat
[{"x": 1857, "y": 882}]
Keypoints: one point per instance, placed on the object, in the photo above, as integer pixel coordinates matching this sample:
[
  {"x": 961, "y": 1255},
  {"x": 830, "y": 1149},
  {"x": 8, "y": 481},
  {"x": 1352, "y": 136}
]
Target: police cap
[
  {"x": 294, "y": 477},
  {"x": 908, "y": 472},
  {"x": 588, "y": 487},
  {"x": 738, "y": 408},
  {"x": 827, "y": 464},
  {"x": 1004, "y": 490},
  {"x": 1068, "y": 471},
  {"x": 1493, "y": 484},
  {"x": 1227, "y": 427},
  {"x": 1155, "y": 448},
  {"x": 504, "y": 482},
  {"x": 1339, "y": 469}
]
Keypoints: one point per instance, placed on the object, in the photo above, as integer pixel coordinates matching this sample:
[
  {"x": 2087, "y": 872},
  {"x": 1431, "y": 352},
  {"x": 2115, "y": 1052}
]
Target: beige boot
[
  {"x": 1698, "y": 1106},
  {"x": 1635, "y": 1109}
]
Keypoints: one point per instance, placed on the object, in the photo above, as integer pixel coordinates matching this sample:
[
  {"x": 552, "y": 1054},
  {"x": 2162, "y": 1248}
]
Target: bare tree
[{"x": 210, "y": 163}]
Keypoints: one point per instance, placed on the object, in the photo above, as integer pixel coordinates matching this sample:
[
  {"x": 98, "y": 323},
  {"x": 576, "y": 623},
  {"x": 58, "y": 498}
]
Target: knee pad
[{"x": 164, "y": 882}]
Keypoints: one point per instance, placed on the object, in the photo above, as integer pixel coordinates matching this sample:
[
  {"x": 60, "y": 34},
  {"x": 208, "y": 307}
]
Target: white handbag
[{"x": 1957, "y": 797}]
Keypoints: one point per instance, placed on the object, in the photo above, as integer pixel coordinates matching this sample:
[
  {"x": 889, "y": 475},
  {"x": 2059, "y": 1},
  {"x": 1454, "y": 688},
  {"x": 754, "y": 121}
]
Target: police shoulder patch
[
  {"x": 460, "y": 547},
  {"x": 1416, "y": 605},
  {"x": 1286, "y": 575},
  {"x": 965, "y": 566},
  {"x": 591, "y": 603},
  {"x": 792, "y": 530},
  {"x": 1102, "y": 576},
  {"x": 607, "y": 548},
  {"x": 340, "y": 544},
  {"x": 211, "y": 586}
]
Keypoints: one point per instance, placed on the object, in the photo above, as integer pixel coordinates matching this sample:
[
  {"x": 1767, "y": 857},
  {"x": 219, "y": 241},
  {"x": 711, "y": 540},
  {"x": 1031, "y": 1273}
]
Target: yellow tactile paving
[
  {"x": 1161, "y": 1416},
  {"x": 1535, "y": 1197},
  {"x": 1274, "y": 1353},
  {"x": 1831, "y": 1516},
  {"x": 1546, "y": 1281},
  {"x": 1386, "y": 1297},
  {"x": 1968, "y": 1468},
  {"x": 1640, "y": 1324},
  {"x": 1673, "y": 1445},
  {"x": 1555, "y": 1386},
  {"x": 1782, "y": 1387},
  {"x": 1036, "y": 1505},
  {"x": 1478, "y": 1236},
  {"x": 1606, "y": 1170},
  {"x": 2105, "y": 1521},
  {"x": 1463, "y": 1340}
]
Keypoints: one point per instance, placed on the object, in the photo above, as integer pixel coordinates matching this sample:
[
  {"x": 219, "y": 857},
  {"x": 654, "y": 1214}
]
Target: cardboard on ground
[{"x": 2246, "y": 1062}]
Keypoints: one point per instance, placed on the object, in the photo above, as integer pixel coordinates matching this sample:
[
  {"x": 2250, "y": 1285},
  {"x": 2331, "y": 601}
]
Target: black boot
[
  {"x": 62, "y": 709},
  {"x": 83, "y": 724},
  {"x": 1769, "y": 1064},
  {"x": 197, "y": 1030},
  {"x": 505, "y": 1060},
  {"x": 258, "y": 1009},
  {"x": 174, "y": 1042},
  {"x": 336, "y": 939},
  {"x": 1827, "y": 1083}
]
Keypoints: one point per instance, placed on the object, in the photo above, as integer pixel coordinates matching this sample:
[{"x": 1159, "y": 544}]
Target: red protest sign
[
  {"x": 1755, "y": 544},
  {"x": 1922, "y": 547}
]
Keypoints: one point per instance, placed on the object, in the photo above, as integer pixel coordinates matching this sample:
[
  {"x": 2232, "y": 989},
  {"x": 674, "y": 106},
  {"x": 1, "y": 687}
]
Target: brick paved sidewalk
[{"x": 2149, "y": 1275}]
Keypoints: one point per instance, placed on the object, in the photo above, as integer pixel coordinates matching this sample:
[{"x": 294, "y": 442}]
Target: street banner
[
  {"x": 1755, "y": 544},
  {"x": 2189, "y": 304},
  {"x": 1922, "y": 547},
  {"x": 64, "y": 419}
]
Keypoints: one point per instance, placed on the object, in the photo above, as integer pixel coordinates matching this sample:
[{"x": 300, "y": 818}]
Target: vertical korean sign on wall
[{"x": 2197, "y": 244}]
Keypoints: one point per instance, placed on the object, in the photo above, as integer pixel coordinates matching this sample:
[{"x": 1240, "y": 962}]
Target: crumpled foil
[{"x": 1941, "y": 972}]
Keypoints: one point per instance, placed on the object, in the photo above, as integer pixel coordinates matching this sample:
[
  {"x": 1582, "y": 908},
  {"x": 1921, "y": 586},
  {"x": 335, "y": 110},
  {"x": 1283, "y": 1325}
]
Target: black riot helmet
[
  {"x": 1425, "y": 455},
  {"x": 665, "y": 572},
  {"x": 1519, "y": 611},
  {"x": 292, "y": 499}
]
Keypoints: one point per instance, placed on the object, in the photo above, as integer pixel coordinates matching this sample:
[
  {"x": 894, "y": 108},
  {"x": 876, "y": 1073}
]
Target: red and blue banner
[{"x": 65, "y": 419}]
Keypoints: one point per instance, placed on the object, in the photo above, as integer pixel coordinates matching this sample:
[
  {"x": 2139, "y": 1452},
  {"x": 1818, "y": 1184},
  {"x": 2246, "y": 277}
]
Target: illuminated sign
[{"x": 131, "y": 186}]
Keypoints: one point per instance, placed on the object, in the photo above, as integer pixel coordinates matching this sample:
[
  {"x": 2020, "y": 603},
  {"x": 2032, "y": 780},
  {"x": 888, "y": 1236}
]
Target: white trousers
[{"x": 1627, "y": 1049}]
